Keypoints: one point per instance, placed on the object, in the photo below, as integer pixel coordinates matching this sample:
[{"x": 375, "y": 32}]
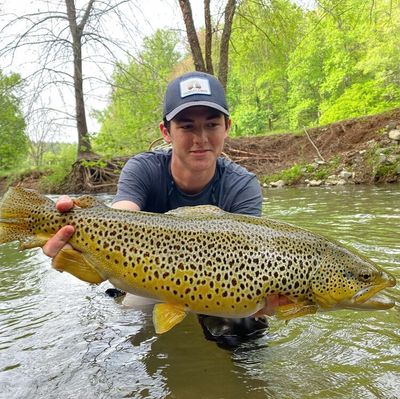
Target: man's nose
[{"x": 201, "y": 135}]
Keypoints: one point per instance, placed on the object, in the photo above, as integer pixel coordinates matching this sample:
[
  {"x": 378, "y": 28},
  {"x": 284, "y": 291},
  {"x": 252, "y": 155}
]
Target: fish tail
[{"x": 15, "y": 208}]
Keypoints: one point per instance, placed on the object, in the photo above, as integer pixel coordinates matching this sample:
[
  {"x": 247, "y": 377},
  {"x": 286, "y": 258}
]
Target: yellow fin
[
  {"x": 292, "y": 310},
  {"x": 33, "y": 242},
  {"x": 166, "y": 316},
  {"x": 74, "y": 262},
  {"x": 15, "y": 208}
]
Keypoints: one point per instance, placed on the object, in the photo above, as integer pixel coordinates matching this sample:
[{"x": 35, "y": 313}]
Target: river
[{"x": 61, "y": 338}]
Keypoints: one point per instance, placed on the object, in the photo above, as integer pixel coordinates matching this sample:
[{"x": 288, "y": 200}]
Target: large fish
[{"x": 199, "y": 259}]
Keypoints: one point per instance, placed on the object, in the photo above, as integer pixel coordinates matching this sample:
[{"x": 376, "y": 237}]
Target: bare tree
[
  {"x": 205, "y": 63},
  {"x": 66, "y": 40}
]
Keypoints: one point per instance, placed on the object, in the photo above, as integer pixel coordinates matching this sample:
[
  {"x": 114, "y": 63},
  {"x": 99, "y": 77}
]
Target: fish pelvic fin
[
  {"x": 15, "y": 208},
  {"x": 167, "y": 316},
  {"x": 74, "y": 262}
]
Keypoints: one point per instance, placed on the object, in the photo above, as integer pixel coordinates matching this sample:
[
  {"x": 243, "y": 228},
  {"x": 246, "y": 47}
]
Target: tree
[
  {"x": 264, "y": 34},
  {"x": 13, "y": 141},
  {"x": 205, "y": 63},
  {"x": 129, "y": 123},
  {"x": 64, "y": 37}
]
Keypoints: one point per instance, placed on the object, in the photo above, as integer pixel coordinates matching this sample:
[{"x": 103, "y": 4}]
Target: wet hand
[{"x": 61, "y": 238}]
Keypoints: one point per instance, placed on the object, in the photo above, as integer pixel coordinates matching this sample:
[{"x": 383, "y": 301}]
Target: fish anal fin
[
  {"x": 74, "y": 262},
  {"x": 293, "y": 310},
  {"x": 167, "y": 316},
  {"x": 34, "y": 241}
]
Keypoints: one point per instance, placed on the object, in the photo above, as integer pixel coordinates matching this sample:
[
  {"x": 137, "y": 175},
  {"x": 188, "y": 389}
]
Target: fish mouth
[{"x": 367, "y": 297}]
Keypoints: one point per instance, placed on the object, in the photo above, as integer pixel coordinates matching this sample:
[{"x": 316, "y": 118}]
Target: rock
[
  {"x": 391, "y": 126},
  {"x": 394, "y": 135},
  {"x": 315, "y": 183},
  {"x": 341, "y": 182},
  {"x": 344, "y": 174},
  {"x": 398, "y": 170},
  {"x": 382, "y": 159},
  {"x": 362, "y": 152},
  {"x": 278, "y": 184},
  {"x": 391, "y": 159}
]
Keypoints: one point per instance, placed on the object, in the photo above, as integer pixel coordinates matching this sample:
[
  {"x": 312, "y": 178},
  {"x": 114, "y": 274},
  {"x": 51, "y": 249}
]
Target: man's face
[{"x": 197, "y": 135}]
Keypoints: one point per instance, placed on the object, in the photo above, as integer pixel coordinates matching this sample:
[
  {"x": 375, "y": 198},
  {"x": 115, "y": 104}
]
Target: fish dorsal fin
[
  {"x": 199, "y": 211},
  {"x": 167, "y": 316},
  {"x": 87, "y": 201},
  {"x": 74, "y": 262}
]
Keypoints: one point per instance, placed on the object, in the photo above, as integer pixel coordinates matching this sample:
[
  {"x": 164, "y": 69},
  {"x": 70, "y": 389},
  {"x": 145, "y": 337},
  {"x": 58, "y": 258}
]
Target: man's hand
[{"x": 60, "y": 239}]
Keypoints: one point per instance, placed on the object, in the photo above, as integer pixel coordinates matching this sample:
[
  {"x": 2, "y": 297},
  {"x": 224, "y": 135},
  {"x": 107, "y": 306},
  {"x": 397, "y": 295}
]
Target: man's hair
[{"x": 167, "y": 124}]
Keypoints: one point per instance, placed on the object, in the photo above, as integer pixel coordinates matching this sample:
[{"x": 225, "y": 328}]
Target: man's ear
[
  {"x": 228, "y": 127},
  {"x": 165, "y": 133}
]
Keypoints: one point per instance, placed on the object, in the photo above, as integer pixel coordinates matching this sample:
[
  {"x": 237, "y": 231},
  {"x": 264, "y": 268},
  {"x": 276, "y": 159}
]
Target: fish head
[{"x": 346, "y": 280}]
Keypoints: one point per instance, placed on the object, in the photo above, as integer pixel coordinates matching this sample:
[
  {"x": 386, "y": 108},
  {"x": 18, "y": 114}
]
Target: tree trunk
[
  {"x": 226, "y": 34},
  {"x": 208, "y": 41},
  {"x": 84, "y": 146},
  {"x": 192, "y": 35}
]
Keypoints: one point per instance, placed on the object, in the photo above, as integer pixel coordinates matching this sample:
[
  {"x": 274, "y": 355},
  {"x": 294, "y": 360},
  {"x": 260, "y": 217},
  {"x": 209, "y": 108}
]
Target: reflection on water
[{"x": 60, "y": 338}]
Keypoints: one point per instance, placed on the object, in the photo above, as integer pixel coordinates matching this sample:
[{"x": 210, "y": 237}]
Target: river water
[{"x": 61, "y": 338}]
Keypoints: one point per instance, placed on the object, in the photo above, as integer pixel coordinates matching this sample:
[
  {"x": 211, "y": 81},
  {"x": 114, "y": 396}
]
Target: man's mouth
[{"x": 199, "y": 152}]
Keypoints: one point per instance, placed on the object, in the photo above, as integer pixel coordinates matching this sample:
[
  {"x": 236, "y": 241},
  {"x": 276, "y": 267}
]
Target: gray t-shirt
[{"x": 146, "y": 180}]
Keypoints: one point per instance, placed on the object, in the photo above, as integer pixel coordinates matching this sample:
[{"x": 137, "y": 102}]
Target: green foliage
[
  {"x": 289, "y": 176},
  {"x": 385, "y": 162},
  {"x": 13, "y": 141},
  {"x": 59, "y": 163},
  {"x": 130, "y": 123},
  {"x": 336, "y": 61},
  {"x": 258, "y": 81}
]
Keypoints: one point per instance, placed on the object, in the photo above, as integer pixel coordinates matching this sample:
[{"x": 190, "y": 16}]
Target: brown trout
[{"x": 198, "y": 259}]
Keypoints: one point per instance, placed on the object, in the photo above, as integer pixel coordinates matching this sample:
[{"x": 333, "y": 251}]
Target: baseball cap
[{"x": 194, "y": 89}]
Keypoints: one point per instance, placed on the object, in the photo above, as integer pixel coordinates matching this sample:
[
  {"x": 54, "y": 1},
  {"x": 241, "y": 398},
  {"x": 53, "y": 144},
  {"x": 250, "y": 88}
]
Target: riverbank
[
  {"x": 355, "y": 151},
  {"x": 359, "y": 151}
]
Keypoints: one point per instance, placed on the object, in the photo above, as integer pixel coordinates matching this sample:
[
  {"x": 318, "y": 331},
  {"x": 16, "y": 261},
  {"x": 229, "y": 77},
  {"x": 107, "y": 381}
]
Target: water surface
[{"x": 61, "y": 338}]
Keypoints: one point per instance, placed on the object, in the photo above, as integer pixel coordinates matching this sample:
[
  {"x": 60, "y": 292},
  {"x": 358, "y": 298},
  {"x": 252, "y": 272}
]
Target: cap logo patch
[{"x": 195, "y": 86}]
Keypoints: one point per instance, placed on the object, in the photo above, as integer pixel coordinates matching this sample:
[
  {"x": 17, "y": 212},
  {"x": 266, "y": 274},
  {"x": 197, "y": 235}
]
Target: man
[{"x": 195, "y": 122}]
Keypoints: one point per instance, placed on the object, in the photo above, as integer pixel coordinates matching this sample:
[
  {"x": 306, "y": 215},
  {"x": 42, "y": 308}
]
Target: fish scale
[{"x": 199, "y": 259}]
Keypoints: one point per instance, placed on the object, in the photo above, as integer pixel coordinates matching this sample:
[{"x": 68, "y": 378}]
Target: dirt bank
[{"x": 353, "y": 144}]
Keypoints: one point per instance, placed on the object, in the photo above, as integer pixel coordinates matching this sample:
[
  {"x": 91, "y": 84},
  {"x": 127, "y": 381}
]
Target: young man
[{"x": 195, "y": 122}]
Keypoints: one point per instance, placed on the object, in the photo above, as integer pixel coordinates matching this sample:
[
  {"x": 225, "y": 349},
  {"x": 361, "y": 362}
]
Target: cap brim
[{"x": 176, "y": 111}]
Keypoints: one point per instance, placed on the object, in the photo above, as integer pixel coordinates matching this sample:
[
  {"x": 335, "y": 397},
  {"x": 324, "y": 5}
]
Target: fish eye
[{"x": 365, "y": 276}]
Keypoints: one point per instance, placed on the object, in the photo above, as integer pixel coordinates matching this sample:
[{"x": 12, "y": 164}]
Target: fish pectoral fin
[
  {"x": 75, "y": 263},
  {"x": 293, "y": 310},
  {"x": 167, "y": 316}
]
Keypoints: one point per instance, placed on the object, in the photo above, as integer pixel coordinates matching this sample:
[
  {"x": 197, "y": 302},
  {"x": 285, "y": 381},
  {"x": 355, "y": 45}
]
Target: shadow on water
[{"x": 60, "y": 338}]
